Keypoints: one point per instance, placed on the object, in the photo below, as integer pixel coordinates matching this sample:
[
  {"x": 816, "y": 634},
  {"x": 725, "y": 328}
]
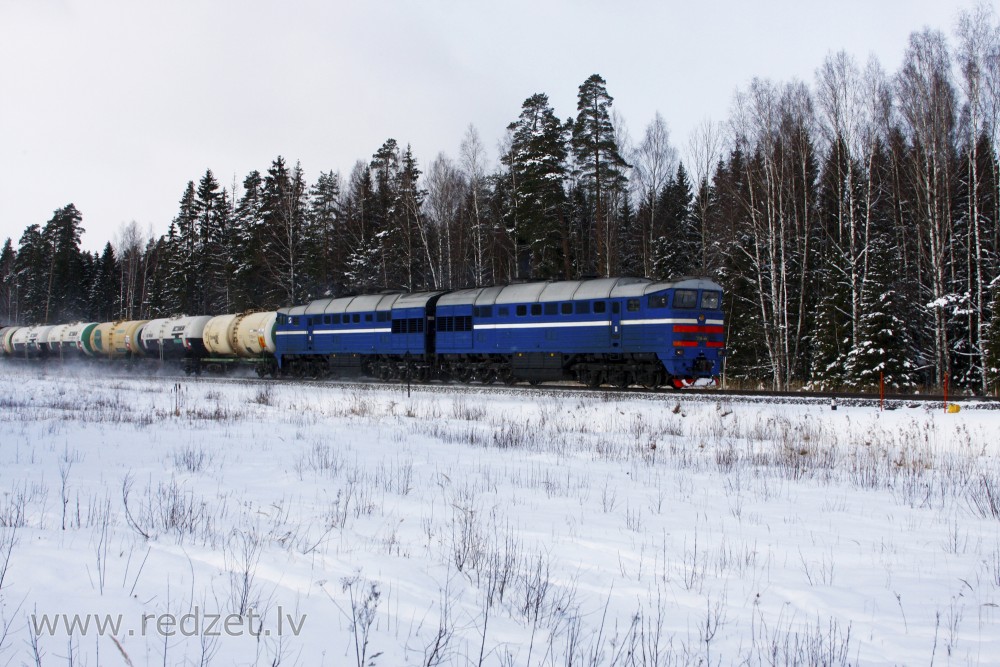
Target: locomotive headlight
[{"x": 679, "y": 352}]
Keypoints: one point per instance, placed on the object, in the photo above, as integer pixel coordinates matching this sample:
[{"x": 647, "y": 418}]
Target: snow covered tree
[
  {"x": 654, "y": 163},
  {"x": 884, "y": 346},
  {"x": 473, "y": 165},
  {"x": 677, "y": 247},
  {"x": 282, "y": 233}
]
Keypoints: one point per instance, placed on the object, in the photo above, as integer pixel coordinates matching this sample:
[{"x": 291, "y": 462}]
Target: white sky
[{"x": 114, "y": 105}]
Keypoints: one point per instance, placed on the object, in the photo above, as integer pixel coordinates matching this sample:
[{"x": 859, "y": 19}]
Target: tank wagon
[{"x": 239, "y": 338}]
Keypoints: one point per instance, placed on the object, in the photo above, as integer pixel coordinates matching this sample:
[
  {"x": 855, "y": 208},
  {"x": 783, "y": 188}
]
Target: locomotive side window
[
  {"x": 600, "y": 307},
  {"x": 368, "y": 317},
  {"x": 522, "y": 311},
  {"x": 504, "y": 311},
  {"x": 486, "y": 311},
  {"x": 295, "y": 321},
  {"x": 710, "y": 300},
  {"x": 658, "y": 301},
  {"x": 336, "y": 319},
  {"x": 582, "y": 307},
  {"x": 633, "y": 305},
  {"x": 616, "y": 307},
  {"x": 356, "y": 317},
  {"x": 552, "y": 309},
  {"x": 685, "y": 298},
  {"x": 536, "y": 309},
  {"x": 567, "y": 308}
]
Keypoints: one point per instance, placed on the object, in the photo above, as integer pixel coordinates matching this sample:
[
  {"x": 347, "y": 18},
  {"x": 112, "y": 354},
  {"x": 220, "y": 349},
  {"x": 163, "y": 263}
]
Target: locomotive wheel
[{"x": 649, "y": 379}]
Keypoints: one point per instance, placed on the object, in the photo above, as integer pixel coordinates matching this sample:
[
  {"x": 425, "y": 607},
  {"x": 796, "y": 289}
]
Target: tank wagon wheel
[{"x": 463, "y": 374}]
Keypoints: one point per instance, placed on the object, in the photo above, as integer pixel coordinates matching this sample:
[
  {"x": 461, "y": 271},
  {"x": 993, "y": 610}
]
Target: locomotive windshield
[
  {"x": 685, "y": 298},
  {"x": 710, "y": 300}
]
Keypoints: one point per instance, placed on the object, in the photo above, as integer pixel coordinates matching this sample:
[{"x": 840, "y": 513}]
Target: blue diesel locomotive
[{"x": 617, "y": 331}]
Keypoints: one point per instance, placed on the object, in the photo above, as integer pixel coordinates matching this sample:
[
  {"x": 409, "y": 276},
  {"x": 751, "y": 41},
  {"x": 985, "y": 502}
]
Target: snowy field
[{"x": 214, "y": 522}]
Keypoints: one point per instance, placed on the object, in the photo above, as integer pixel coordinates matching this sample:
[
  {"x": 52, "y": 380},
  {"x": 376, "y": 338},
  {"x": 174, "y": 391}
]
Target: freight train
[{"x": 617, "y": 331}]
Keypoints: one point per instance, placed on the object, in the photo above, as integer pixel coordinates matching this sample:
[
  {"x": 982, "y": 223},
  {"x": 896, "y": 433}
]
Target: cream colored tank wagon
[
  {"x": 216, "y": 336},
  {"x": 100, "y": 339},
  {"x": 124, "y": 340}
]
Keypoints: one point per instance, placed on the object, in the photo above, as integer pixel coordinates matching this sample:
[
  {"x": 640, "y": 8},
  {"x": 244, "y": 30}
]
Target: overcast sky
[{"x": 114, "y": 105}]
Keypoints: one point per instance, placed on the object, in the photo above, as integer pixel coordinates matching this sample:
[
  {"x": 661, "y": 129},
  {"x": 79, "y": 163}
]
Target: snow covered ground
[{"x": 234, "y": 522}]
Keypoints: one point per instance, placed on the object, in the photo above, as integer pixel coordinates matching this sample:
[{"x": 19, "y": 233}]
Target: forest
[{"x": 853, "y": 221}]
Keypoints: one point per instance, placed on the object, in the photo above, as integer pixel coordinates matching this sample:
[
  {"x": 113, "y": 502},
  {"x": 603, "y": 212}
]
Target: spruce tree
[
  {"x": 677, "y": 251},
  {"x": 283, "y": 212},
  {"x": 33, "y": 259},
  {"x": 325, "y": 237},
  {"x": 249, "y": 255},
  {"x": 408, "y": 220},
  {"x": 66, "y": 291},
  {"x": 8, "y": 284},
  {"x": 883, "y": 349},
  {"x": 537, "y": 160},
  {"x": 215, "y": 246},
  {"x": 105, "y": 287}
]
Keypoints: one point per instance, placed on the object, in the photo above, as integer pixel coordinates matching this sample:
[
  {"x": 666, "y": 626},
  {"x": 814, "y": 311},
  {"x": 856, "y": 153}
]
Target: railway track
[
  {"x": 707, "y": 394},
  {"x": 714, "y": 394}
]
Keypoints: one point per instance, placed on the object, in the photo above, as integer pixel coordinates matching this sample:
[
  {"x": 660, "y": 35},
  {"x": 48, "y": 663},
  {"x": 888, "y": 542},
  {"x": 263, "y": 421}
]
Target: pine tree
[{"x": 602, "y": 168}]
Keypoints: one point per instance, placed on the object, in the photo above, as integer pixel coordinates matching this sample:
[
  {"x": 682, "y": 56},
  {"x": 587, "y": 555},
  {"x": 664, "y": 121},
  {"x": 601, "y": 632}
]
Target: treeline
[{"x": 853, "y": 222}]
